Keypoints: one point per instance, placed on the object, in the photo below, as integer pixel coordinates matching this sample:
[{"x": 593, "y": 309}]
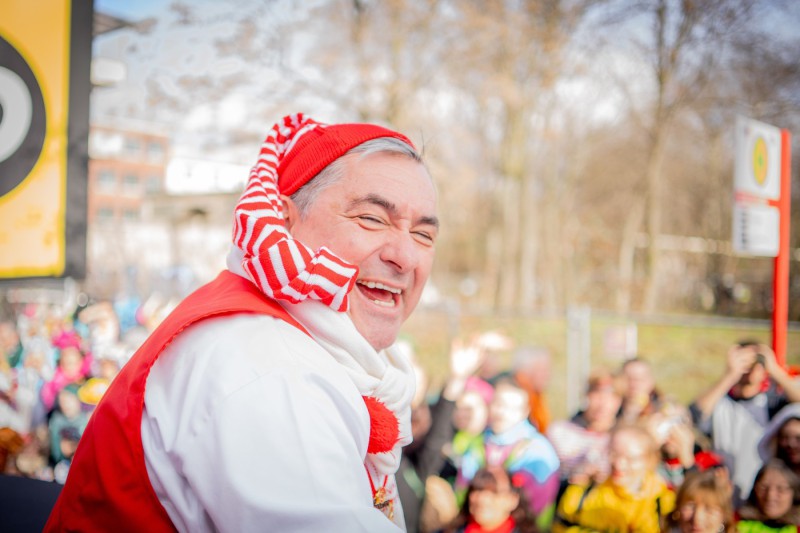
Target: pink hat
[
  {"x": 482, "y": 387},
  {"x": 68, "y": 339}
]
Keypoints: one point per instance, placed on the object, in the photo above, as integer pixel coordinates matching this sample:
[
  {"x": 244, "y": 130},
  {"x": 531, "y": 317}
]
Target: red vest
[{"x": 108, "y": 488}]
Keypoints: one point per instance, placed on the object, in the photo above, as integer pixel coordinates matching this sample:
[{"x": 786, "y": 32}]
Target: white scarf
[{"x": 387, "y": 375}]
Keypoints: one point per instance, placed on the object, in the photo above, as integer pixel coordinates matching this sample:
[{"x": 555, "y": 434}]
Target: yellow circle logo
[{"x": 760, "y": 160}]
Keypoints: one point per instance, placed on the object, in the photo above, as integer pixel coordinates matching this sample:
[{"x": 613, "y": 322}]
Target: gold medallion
[{"x": 380, "y": 502}]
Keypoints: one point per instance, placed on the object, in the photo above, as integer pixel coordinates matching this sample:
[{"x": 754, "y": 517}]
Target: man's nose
[{"x": 401, "y": 251}]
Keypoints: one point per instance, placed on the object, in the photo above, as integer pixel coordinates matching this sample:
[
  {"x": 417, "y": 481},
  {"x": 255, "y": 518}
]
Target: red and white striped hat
[{"x": 296, "y": 149}]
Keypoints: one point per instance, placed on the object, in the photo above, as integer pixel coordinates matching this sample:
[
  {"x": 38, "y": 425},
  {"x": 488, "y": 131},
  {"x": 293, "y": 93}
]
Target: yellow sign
[
  {"x": 760, "y": 160},
  {"x": 36, "y": 81}
]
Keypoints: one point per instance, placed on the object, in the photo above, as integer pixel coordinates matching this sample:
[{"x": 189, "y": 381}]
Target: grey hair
[
  {"x": 527, "y": 354},
  {"x": 304, "y": 197}
]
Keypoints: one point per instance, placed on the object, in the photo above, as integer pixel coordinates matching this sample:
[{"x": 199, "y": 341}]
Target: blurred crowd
[
  {"x": 54, "y": 368},
  {"x": 487, "y": 455}
]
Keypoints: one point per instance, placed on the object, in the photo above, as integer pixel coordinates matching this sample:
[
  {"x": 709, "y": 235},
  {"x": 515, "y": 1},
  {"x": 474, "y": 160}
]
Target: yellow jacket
[{"x": 612, "y": 509}]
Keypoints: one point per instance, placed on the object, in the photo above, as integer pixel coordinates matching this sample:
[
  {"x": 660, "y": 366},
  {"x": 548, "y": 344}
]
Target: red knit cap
[{"x": 320, "y": 147}]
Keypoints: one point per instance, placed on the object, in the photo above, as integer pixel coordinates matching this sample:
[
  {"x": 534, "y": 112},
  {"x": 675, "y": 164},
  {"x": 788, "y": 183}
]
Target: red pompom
[{"x": 384, "y": 429}]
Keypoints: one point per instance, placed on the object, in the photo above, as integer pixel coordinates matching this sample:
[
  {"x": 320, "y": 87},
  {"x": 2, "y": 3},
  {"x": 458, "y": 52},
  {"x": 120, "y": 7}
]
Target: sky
[{"x": 133, "y": 10}]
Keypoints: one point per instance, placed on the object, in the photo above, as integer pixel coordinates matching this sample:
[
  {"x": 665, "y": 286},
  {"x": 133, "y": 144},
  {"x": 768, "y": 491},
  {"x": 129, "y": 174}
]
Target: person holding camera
[{"x": 734, "y": 411}]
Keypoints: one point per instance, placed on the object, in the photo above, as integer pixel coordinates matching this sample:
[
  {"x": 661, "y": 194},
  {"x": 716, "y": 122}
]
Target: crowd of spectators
[
  {"x": 487, "y": 454},
  {"x": 631, "y": 459},
  {"x": 54, "y": 368}
]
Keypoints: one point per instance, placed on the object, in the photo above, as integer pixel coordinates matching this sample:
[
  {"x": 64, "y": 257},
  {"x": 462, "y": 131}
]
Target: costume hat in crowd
[{"x": 296, "y": 149}]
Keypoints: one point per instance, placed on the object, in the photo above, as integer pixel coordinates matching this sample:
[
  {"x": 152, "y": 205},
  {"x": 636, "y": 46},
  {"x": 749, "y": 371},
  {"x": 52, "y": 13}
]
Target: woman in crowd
[
  {"x": 782, "y": 438},
  {"x": 773, "y": 503},
  {"x": 633, "y": 498},
  {"x": 493, "y": 504},
  {"x": 703, "y": 505},
  {"x": 641, "y": 398},
  {"x": 582, "y": 442}
]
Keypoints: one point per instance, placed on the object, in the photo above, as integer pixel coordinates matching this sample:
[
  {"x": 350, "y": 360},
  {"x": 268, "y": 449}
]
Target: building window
[
  {"x": 132, "y": 146},
  {"x": 103, "y": 144},
  {"x": 130, "y": 183},
  {"x": 153, "y": 184},
  {"x": 155, "y": 151},
  {"x": 105, "y": 214},
  {"x": 130, "y": 215},
  {"x": 107, "y": 180}
]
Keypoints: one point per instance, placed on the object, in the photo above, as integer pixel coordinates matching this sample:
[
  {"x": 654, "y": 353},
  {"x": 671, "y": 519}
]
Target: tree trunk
[
  {"x": 654, "y": 215},
  {"x": 627, "y": 254}
]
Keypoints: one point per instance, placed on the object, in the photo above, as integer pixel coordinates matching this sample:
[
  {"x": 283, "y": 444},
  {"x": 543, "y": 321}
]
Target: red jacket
[{"x": 108, "y": 488}]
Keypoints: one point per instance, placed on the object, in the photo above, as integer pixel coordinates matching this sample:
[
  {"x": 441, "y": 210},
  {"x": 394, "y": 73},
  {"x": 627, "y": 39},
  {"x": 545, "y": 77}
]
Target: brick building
[{"x": 127, "y": 163}]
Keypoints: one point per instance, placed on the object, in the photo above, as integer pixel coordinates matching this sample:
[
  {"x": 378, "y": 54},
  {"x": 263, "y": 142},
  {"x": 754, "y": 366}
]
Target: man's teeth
[{"x": 378, "y": 285}]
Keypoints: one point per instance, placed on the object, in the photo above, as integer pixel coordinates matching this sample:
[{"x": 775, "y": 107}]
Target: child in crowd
[
  {"x": 469, "y": 422},
  {"x": 69, "y": 414},
  {"x": 494, "y": 504},
  {"x": 633, "y": 498},
  {"x": 74, "y": 366},
  {"x": 703, "y": 505},
  {"x": 69, "y": 437}
]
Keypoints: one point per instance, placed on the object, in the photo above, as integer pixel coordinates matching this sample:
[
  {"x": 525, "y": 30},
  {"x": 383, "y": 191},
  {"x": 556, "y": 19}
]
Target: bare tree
[{"x": 547, "y": 199}]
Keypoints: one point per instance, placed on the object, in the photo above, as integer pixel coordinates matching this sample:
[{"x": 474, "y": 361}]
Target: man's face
[
  {"x": 750, "y": 383},
  {"x": 381, "y": 217}
]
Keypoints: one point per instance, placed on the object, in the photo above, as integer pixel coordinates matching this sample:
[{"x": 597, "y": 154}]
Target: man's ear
[{"x": 291, "y": 214}]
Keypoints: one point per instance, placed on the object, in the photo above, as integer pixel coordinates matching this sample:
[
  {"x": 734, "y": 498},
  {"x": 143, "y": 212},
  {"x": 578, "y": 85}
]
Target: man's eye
[
  {"x": 424, "y": 237},
  {"x": 370, "y": 219}
]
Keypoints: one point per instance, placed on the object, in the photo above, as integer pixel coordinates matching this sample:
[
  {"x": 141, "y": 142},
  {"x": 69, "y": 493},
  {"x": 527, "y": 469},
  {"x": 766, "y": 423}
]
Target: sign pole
[{"x": 780, "y": 284}]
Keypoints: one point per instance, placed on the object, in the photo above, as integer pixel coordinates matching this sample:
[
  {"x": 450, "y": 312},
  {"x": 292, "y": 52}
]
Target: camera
[{"x": 666, "y": 426}]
